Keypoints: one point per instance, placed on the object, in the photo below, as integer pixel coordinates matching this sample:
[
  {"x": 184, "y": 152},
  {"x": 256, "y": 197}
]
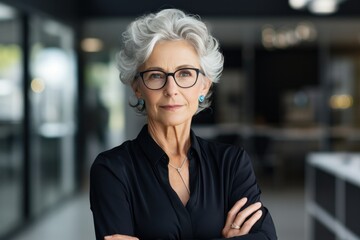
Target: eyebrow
[{"x": 178, "y": 67}]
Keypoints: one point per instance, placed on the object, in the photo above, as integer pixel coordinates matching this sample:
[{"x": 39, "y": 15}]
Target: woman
[{"x": 168, "y": 183}]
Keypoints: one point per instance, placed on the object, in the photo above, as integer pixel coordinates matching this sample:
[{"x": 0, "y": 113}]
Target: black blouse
[{"x": 130, "y": 192}]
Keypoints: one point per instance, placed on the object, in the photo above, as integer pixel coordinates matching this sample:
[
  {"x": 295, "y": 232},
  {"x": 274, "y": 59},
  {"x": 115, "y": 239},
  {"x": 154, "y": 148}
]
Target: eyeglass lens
[{"x": 156, "y": 79}]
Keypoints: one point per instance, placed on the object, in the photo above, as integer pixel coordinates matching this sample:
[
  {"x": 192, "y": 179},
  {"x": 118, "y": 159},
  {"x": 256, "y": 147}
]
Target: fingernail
[
  {"x": 107, "y": 237},
  {"x": 259, "y": 212}
]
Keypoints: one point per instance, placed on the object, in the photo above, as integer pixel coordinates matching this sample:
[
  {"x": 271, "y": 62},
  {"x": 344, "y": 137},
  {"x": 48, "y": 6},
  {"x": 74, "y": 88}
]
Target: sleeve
[
  {"x": 244, "y": 184},
  {"x": 109, "y": 201}
]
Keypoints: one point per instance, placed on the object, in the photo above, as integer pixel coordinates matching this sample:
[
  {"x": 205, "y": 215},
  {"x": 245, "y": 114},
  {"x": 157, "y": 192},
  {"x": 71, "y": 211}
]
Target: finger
[
  {"x": 248, "y": 224},
  {"x": 119, "y": 237},
  {"x": 244, "y": 214},
  {"x": 233, "y": 212}
]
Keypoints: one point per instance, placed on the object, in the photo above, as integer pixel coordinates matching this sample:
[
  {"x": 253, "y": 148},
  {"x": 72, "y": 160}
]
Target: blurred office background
[{"x": 289, "y": 94}]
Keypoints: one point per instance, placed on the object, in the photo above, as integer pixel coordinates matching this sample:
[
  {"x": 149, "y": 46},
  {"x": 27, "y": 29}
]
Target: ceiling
[
  {"x": 208, "y": 8},
  {"x": 233, "y": 22},
  {"x": 234, "y": 32}
]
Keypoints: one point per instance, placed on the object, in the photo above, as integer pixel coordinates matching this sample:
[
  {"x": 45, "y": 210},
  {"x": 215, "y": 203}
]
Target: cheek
[
  {"x": 194, "y": 98},
  {"x": 152, "y": 100},
  {"x": 196, "y": 92}
]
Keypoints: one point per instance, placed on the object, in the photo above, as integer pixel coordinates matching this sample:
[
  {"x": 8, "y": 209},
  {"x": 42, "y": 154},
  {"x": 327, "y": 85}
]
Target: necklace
[{"x": 178, "y": 169}]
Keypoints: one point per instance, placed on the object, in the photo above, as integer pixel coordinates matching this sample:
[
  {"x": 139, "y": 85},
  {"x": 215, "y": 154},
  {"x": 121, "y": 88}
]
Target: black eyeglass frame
[{"x": 141, "y": 74}]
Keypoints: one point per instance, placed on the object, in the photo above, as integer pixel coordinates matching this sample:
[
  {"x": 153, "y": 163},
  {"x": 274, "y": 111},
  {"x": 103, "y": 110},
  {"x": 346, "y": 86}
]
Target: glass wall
[
  {"x": 53, "y": 99},
  {"x": 343, "y": 99},
  {"x": 11, "y": 120},
  {"x": 105, "y": 104},
  {"x": 45, "y": 157}
]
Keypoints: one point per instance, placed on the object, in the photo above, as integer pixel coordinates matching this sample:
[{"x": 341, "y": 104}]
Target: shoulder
[
  {"x": 228, "y": 156},
  {"x": 221, "y": 149},
  {"x": 115, "y": 160}
]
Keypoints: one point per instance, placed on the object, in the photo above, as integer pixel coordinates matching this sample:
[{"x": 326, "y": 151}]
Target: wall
[{"x": 65, "y": 10}]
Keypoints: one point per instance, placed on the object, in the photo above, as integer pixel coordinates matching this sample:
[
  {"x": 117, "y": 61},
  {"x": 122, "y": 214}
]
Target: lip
[{"x": 171, "y": 107}]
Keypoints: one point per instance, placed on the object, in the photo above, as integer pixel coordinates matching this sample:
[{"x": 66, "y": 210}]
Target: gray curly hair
[{"x": 170, "y": 24}]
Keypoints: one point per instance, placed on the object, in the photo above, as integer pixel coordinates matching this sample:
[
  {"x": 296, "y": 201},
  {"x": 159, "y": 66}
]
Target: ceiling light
[
  {"x": 323, "y": 6},
  {"x": 37, "y": 85},
  {"x": 298, "y": 4},
  {"x": 91, "y": 45},
  {"x": 316, "y": 6},
  {"x": 6, "y": 12}
]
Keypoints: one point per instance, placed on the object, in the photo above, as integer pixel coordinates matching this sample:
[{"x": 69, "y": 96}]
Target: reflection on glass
[
  {"x": 343, "y": 80},
  {"x": 288, "y": 36},
  {"x": 342, "y": 100},
  {"x": 11, "y": 120},
  {"x": 53, "y": 100}
]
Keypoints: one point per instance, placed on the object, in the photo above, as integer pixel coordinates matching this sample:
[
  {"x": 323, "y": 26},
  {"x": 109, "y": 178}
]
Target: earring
[
  {"x": 141, "y": 102},
  {"x": 201, "y": 98}
]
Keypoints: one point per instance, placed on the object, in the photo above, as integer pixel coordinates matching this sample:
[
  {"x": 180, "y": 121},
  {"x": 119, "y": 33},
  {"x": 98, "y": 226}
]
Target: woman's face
[{"x": 172, "y": 105}]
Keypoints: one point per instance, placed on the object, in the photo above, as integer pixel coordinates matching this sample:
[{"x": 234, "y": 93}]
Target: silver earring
[{"x": 201, "y": 98}]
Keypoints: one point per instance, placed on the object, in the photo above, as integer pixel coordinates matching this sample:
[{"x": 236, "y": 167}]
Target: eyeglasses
[{"x": 184, "y": 77}]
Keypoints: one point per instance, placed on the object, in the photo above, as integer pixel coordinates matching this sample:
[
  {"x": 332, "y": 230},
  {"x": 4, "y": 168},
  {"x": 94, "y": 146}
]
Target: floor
[
  {"x": 73, "y": 220},
  {"x": 287, "y": 207}
]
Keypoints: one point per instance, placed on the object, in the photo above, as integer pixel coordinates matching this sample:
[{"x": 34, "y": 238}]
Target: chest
[{"x": 158, "y": 212}]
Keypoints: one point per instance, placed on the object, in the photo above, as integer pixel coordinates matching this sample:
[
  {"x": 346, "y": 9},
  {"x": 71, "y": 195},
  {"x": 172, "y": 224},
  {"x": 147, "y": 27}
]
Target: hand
[
  {"x": 120, "y": 237},
  {"x": 237, "y": 223}
]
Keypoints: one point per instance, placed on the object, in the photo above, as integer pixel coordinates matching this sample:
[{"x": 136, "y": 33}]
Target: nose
[{"x": 170, "y": 88}]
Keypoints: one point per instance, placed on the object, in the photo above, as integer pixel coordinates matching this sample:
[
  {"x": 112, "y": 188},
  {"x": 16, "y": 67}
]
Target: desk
[{"x": 333, "y": 196}]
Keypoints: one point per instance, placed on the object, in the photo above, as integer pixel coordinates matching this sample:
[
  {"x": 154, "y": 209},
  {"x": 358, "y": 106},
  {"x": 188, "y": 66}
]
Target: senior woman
[{"x": 168, "y": 183}]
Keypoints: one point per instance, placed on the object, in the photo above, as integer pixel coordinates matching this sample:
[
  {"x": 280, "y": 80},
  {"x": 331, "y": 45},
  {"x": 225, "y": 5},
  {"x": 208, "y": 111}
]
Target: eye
[
  {"x": 184, "y": 73},
  {"x": 155, "y": 75}
]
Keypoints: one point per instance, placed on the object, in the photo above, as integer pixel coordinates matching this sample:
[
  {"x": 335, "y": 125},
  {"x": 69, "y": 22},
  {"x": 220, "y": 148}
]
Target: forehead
[{"x": 169, "y": 55}]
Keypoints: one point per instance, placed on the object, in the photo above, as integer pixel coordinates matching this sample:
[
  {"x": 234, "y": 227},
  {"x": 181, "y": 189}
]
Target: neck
[{"x": 174, "y": 140}]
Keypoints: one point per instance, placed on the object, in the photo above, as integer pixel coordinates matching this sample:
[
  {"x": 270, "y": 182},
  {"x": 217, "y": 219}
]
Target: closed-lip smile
[{"x": 171, "y": 106}]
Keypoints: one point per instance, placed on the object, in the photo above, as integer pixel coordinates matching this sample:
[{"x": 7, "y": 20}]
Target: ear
[
  {"x": 206, "y": 86},
  {"x": 136, "y": 88}
]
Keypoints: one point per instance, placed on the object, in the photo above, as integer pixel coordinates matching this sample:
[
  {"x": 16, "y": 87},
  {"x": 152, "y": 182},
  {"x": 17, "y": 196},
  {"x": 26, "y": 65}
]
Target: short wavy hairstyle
[{"x": 170, "y": 24}]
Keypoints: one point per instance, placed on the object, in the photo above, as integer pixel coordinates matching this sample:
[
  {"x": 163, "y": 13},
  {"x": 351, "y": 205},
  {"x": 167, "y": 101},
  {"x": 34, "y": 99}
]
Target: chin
[{"x": 175, "y": 122}]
